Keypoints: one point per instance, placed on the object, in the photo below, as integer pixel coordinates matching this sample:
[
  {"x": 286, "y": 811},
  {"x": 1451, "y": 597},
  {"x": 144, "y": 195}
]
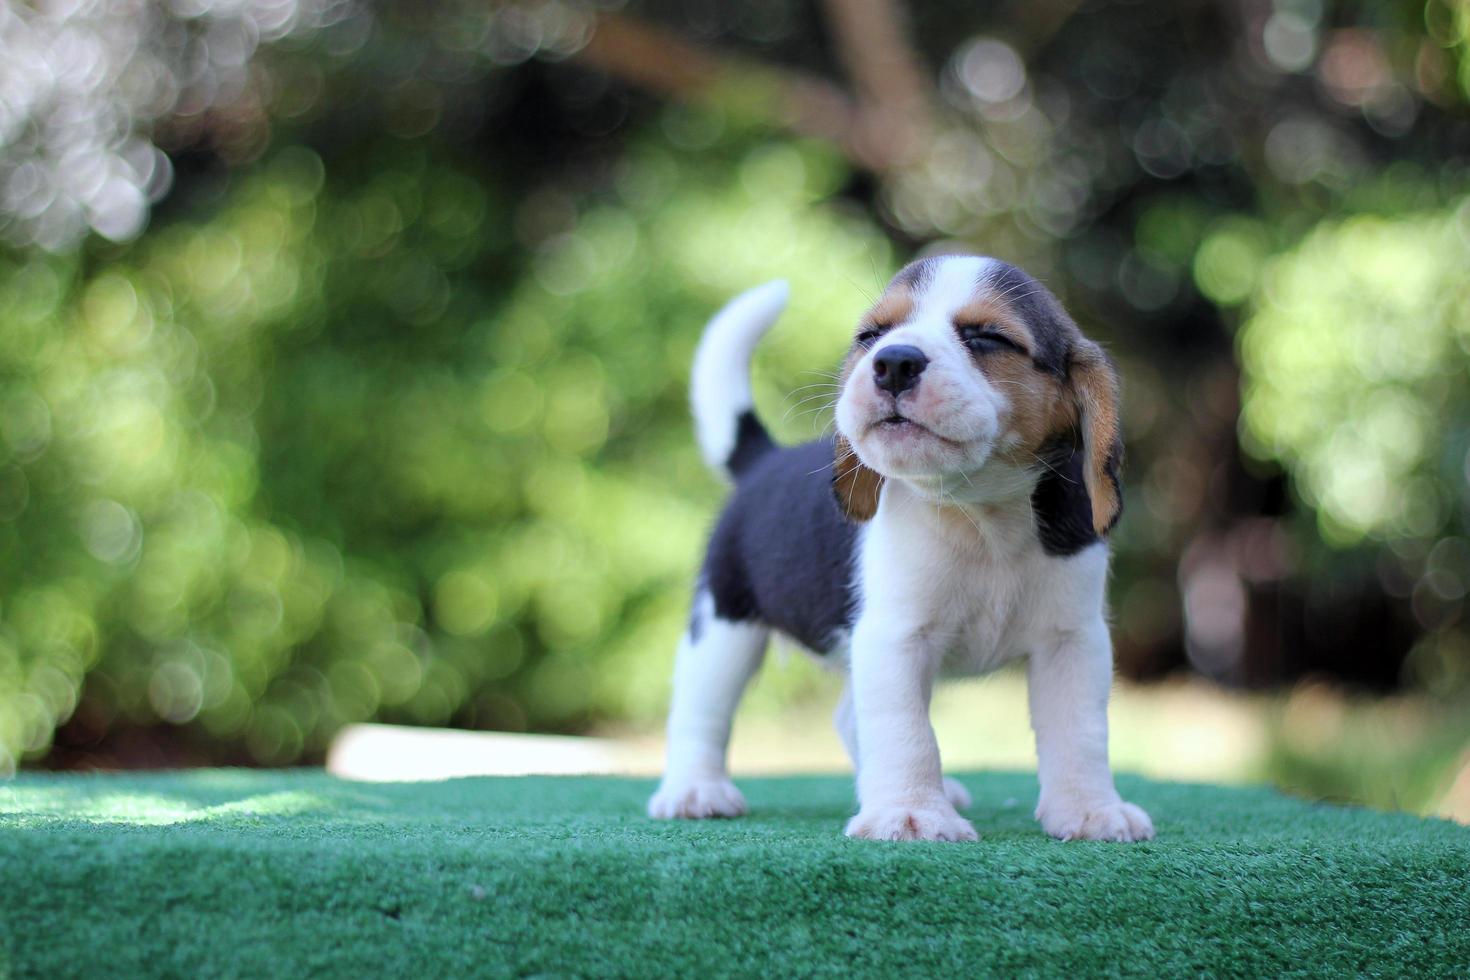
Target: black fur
[
  {"x": 782, "y": 552},
  {"x": 1060, "y": 501},
  {"x": 751, "y": 443}
]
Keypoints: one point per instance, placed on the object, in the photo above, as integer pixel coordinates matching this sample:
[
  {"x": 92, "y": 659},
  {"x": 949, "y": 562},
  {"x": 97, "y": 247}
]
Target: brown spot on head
[
  {"x": 1038, "y": 409},
  {"x": 1060, "y": 385},
  {"x": 1013, "y": 351}
]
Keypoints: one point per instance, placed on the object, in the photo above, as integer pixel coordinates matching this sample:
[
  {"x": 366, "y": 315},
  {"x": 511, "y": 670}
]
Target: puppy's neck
[
  {"x": 997, "y": 484},
  {"x": 992, "y": 503}
]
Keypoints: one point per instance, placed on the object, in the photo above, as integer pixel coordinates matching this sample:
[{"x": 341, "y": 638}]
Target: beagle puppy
[{"x": 957, "y": 521}]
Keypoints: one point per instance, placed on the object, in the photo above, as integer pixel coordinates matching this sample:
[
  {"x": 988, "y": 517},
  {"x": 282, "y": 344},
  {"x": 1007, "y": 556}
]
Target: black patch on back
[
  {"x": 1051, "y": 328},
  {"x": 782, "y": 553},
  {"x": 751, "y": 443},
  {"x": 1060, "y": 501}
]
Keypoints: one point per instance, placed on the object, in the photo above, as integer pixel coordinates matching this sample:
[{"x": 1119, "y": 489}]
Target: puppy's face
[{"x": 966, "y": 363}]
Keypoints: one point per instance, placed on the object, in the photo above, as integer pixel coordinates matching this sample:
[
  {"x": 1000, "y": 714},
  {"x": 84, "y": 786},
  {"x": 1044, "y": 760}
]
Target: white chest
[
  {"x": 984, "y": 593},
  {"x": 990, "y": 617}
]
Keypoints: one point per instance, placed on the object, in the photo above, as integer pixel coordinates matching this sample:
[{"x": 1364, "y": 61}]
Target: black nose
[{"x": 896, "y": 368}]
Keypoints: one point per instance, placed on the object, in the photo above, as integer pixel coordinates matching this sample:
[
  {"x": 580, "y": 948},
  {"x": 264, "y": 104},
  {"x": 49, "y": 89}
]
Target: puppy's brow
[
  {"x": 892, "y": 307},
  {"x": 994, "y": 311}
]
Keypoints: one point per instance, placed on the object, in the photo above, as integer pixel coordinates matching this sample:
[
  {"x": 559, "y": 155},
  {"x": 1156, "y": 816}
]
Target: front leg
[
  {"x": 1069, "y": 687},
  {"x": 901, "y": 794},
  {"x": 846, "y": 722}
]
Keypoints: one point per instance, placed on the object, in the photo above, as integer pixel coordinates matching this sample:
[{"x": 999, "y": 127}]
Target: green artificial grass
[{"x": 279, "y": 874}]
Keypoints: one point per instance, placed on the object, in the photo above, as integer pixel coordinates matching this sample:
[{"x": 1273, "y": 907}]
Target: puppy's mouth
[{"x": 900, "y": 423}]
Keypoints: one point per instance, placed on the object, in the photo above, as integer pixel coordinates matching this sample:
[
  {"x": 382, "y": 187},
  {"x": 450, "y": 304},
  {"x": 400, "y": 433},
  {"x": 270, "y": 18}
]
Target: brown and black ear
[
  {"x": 853, "y": 484},
  {"x": 1094, "y": 382}
]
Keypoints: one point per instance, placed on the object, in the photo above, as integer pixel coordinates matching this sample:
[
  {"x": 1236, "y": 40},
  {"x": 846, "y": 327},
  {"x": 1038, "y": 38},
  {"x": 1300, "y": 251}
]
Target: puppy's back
[{"x": 782, "y": 552}]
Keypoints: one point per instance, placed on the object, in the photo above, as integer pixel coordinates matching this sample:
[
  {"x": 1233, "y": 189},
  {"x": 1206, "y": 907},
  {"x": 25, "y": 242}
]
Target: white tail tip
[{"x": 720, "y": 381}]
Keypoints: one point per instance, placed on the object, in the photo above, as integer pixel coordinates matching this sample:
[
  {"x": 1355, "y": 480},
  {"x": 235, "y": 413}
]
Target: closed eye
[
  {"x": 983, "y": 338},
  {"x": 866, "y": 338}
]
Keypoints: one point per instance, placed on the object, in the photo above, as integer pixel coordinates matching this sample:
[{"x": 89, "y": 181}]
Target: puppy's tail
[{"x": 730, "y": 436}]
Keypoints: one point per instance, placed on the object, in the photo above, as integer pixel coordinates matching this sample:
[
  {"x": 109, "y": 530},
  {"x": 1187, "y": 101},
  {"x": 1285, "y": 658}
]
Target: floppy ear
[
  {"x": 853, "y": 484},
  {"x": 1095, "y": 388}
]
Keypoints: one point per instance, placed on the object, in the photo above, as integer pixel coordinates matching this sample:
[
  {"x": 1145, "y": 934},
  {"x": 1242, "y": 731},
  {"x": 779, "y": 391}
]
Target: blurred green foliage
[
  {"x": 1355, "y": 354},
  {"x": 1355, "y": 358},
  {"x": 299, "y": 462},
  {"x": 384, "y": 416}
]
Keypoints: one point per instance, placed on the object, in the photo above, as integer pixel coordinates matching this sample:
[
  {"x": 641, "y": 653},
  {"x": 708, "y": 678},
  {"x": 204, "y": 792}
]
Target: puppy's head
[{"x": 965, "y": 363}]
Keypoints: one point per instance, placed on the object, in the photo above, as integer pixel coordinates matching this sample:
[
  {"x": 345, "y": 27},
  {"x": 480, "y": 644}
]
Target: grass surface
[{"x": 238, "y": 873}]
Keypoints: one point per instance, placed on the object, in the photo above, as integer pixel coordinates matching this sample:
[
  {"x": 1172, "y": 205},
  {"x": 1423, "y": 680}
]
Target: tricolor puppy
[{"x": 956, "y": 522}]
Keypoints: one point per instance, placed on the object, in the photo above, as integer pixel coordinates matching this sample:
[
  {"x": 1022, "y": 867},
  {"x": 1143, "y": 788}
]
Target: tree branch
[
  {"x": 893, "y": 88},
  {"x": 879, "y": 136}
]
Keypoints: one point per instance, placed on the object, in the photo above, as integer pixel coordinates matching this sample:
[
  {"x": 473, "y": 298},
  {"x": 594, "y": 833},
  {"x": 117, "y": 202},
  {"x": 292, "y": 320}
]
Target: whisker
[
  {"x": 873, "y": 264},
  {"x": 1031, "y": 289},
  {"x": 838, "y": 459},
  {"x": 809, "y": 391},
  {"x": 960, "y": 507},
  {"x": 865, "y": 294},
  {"x": 814, "y": 395},
  {"x": 821, "y": 398},
  {"x": 1055, "y": 472},
  {"x": 810, "y": 411}
]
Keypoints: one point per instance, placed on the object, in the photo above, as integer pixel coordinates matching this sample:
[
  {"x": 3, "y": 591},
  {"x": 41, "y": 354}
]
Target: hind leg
[
  {"x": 716, "y": 660},
  {"x": 846, "y": 723}
]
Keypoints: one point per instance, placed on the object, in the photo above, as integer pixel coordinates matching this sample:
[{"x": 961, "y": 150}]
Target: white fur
[
  {"x": 719, "y": 384},
  {"x": 710, "y": 675},
  {"x": 952, "y": 582},
  {"x": 942, "y": 601},
  {"x": 845, "y": 720},
  {"x": 963, "y": 413}
]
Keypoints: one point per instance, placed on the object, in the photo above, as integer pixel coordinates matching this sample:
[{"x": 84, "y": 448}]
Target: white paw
[
  {"x": 958, "y": 796},
  {"x": 1114, "y": 820},
  {"x": 930, "y": 821},
  {"x": 696, "y": 799}
]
